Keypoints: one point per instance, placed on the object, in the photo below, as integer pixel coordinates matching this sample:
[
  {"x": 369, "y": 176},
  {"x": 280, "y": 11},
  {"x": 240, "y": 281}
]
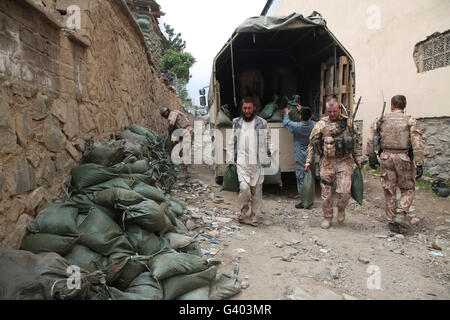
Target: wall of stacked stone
[
  {"x": 58, "y": 88},
  {"x": 436, "y": 136}
]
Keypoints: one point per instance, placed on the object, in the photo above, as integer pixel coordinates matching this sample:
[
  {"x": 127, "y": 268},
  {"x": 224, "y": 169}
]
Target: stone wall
[
  {"x": 59, "y": 87},
  {"x": 436, "y": 136}
]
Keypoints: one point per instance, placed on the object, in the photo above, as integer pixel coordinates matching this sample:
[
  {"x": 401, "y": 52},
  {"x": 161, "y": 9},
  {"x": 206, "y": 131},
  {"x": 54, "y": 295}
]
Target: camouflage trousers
[
  {"x": 397, "y": 170},
  {"x": 249, "y": 194},
  {"x": 337, "y": 170}
]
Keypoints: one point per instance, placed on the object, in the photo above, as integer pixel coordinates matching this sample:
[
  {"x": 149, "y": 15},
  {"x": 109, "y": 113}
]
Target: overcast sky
[{"x": 206, "y": 25}]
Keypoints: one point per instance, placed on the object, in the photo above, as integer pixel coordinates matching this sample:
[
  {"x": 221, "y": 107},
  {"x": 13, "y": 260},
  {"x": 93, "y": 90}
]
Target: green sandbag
[
  {"x": 178, "y": 241},
  {"x": 133, "y": 137},
  {"x": 277, "y": 116},
  {"x": 139, "y": 177},
  {"x": 28, "y": 276},
  {"x": 129, "y": 272},
  {"x": 176, "y": 208},
  {"x": 146, "y": 287},
  {"x": 269, "y": 109},
  {"x": 172, "y": 217},
  {"x": 196, "y": 294},
  {"x": 45, "y": 242},
  {"x": 89, "y": 174},
  {"x": 149, "y": 192},
  {"x": 110, "y": 197},
  {"x": 113, "y": 183},
  {"x": 180, "y": 227},
  {"x": 357, "y": 186},
  {"x": 223, "y": 121},
  {"x": 103, "y": 235},
  {"x": 170, "y": 263},
  {"x": 173, "y": 199},
  {"x": 81, "y": 218},
  {"x": 84, "y": 203},
  {"x": 138, "y": 130},
  {"x": 139, "y": 166},
  {"x": 294, "y": 115},
  {"x": 230, "y": 179},
  {"x": 308, "y": 190},
  {"x": 103, "y": 153},
  {"x": 193, "y": 248},
  {"x": 224, "y": 287},
  {"x": 147, "y": 214},
  {"x": 179, "y": 285},
  {"x": 145, "y": 242},
  {"x": 86, "y": 259},
  {"x": 56, "y": 218}
]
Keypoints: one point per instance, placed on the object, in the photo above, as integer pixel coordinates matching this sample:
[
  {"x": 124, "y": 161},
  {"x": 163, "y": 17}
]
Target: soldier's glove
[
  {"x": 373, "y": 161},
  {"x": 419, "y": 172}
]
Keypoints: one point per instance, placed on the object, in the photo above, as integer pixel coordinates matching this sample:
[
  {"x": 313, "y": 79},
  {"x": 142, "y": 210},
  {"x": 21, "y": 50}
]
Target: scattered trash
[
  {"x": 239, "y": 250},
  {"x": 363, "y": 260},
  {"x": 436, "y": 254},
  {"x": 335, "y": 272},
  {"x": 239, "y": 236},
  {"x": 213, "y": 240},
  {"x": 213, "y": 251},
  {"x": 279, "y": 244},
  {"x": 244, "y": 284},
  {"x": 316, "y": 214}
]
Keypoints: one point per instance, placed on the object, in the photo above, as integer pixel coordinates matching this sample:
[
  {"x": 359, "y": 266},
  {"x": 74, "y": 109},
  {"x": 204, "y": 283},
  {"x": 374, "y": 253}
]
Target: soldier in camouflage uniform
[
  {"x": 336, "y": 139},
  {"x": 178, "y": 120},
  {"x": 398, "y": 133}
]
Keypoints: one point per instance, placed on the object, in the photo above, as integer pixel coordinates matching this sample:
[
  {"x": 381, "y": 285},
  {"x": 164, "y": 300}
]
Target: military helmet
[{"x": 163, "y": 110}]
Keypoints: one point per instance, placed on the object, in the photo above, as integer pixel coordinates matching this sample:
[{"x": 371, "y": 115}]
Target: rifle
[
  {"x": 356, "y": 110},
  {"x": 377, "y": 136}
]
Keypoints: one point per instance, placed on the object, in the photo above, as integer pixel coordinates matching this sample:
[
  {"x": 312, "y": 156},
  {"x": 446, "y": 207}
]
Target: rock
[
  {"x": 434, "y": 245},
  {"x": 290, "y": 251},
  {"x": 279, "y": 244},
  {"x": 14, "y": 238},
  {"x": 223, "y": 220},
  {"x": 363, "y": 260},
  {"x": 313, "y": 293},
  {"x": 41, "y": 107},
  {"x": 54, "y": 140},
  {"x": 335, "y": 272},
  {"x": 348, "y": 297},
  {"x": 267, "y": 222},
  {"x": 48, "y": 171},
  {"x": 213, "y": 234},
  {"x": 400, "y": 236},
  {"x": 25, "y": 178},
  {"x": 190, "y": 225},
  {"x": 415, "y": 221},
  {"x": 286, "y": 258},
  {"x": 245, "y": 284}
]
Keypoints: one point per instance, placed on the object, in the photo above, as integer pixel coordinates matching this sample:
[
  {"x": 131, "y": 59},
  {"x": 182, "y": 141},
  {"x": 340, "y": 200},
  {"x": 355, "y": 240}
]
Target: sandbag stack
[{"x": 119, "y": 221}]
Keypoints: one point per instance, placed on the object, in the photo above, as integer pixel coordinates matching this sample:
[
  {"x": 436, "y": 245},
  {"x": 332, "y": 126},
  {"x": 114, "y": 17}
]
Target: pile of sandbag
[{"x": 120, "y": 227}]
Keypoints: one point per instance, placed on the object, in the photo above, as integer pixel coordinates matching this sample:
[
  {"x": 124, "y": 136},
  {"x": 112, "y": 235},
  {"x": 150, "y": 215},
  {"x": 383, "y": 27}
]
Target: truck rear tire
[{"x": 219, "y": 180}]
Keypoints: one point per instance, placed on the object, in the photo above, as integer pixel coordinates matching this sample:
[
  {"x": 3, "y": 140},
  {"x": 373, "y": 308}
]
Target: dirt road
[{"x": 290, "y": 257}]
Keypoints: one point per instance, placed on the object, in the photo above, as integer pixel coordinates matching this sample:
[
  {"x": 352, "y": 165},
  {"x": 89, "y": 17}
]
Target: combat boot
[
  {"x": 402, "y": 220},
  {"x": 326, "y": 223},
  {"x": 341, "y": 215}
]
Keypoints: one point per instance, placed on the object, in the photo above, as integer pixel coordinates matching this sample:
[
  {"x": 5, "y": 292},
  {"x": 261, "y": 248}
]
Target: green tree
[
  {"x": 175, "y": 42},
  {"x": 183, "y": 94},
  {"x": 178, "y": 63}
]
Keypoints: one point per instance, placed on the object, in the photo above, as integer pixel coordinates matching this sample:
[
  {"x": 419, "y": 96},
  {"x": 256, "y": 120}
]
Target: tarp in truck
[{"x": 299, "y": 39}]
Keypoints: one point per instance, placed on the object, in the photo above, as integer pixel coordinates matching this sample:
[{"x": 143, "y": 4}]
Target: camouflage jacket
[
  {"x": 415, "y": 136},
  {"x": 325, "y": 128},
  {"x": 178, "y": 120}
]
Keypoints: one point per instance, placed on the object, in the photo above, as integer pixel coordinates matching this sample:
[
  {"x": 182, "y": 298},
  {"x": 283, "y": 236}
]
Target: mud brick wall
[
  {"x": 436, "y": 135},
  {"x": 59, "y": 87}
]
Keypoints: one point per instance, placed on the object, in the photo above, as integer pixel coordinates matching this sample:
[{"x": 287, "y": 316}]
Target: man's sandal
[
  {"x": 241, "y": 215},
  {"x": 254, "y": 222}
]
